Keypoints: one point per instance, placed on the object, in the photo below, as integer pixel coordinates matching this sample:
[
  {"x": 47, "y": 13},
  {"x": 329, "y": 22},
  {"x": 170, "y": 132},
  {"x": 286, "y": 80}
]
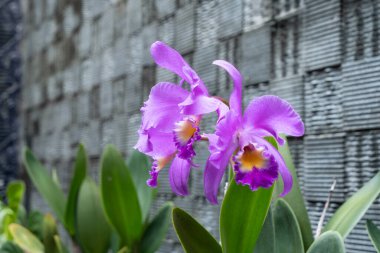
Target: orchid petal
[
  {"x": 274, "y": 116},
  {"x": 143, "y": 144},
  {"x": 158, "y": 164},
  {"x": 156, "y": 143},
  {"x": 170, "y": 59},
  {"x": 226, "y": 131},
  {"x": 198, "y": 105},
  {"x": 179, "y": 176},
  {"x": 222, "y": 111},
  {"x": 236, "y": 95},
  {"x": 161, "y": 109},
  {"x": 212, "y": 179},
  {"x": 282, "y": 169},
  {"x": 196, "y": 84},
  {"x": 216, "y": 166}
]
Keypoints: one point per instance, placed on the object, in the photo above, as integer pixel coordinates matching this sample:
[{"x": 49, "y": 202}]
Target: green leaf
[
  {"x": 156, "y": 230},
  {"x": 35, "y": 223},
  {"x": 288, "y": 236},
  {"x": 80, "y": 171},
  {"x": 21, "y": 215},
  {"x": 10, "y": 247},
  {"x": 15, "y": 194},
  {"x": 7, "y": 216},
  {"x": 49, "y": 231},
  {"x": 119, "y": 197},
  {"x": 138, "y": 165},
  {"x": 329, "y": 242},
  {"x": 93, "y": 230},
  {"x": 242, "y": 217},
  {"x": 374, "y": 235},
  {"x": 193, "y": 236},
  {"x": 25, "y": 239},
  {"x": 350, "y": 213},
  {"x": 266, "y": 243},
  {"x": 272, "y": 141},
  {"x": 295, "y": 198},
  {"x": 48, "y": 189}
]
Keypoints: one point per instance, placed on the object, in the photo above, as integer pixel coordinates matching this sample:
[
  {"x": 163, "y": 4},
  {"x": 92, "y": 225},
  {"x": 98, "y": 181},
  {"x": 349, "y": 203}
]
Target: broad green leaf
[
  {"x": 80, "y": 171},
  {"x": 25, "y": 239},
  {"x": 295, "y": 198},
  {"x": 350, "y": 213},
  {"x": 119, "y": 197},
  {"x": 266, "y": 243},
  {"x": 49, "y": 231},
  {"x": 48, "y": 189},
  {"x": 193, "y": 236},
  {"x": 138, "y": 165},
  {"x": 35, "y": 223},
  {"x": 374, "y": 235},
  {"x": 7, "y": 216},
  {"x": 10, "y": 247},
  {"x": 156, "y": 230},
  {"x": 22, "y": 215},
  {"x": 288, "y": 236},
  {"x": 93, "y": 230},
  {"x": 329, "y": 242},
  {"x": 242, "y": 217},
  {"x": 15, "y": 194},
  {"x": 272, "y": 141}
]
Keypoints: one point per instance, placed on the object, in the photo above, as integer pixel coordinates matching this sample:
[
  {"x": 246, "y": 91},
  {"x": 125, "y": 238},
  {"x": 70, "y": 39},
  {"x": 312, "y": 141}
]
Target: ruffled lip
[
  {"x": 185, "y": 147},
  {"x": 257, "y": 177}
]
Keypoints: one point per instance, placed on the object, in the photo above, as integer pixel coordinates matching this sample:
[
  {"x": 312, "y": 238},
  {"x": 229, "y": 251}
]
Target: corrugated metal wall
[{"x": 87, "y": 71}]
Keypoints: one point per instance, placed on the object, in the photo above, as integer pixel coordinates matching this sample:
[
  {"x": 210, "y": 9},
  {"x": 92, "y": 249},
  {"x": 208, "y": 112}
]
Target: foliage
[
  {"x": 16, "y": 225},
  {"x": 116, "y": 213},
  {"x": 287, "y": 226},
  {"x": 374, "y": 235},
  {"x": 328, "y": 242},
  {"x": 350, "y": 213},
  {"x": 250, "y": 221},
  {"x": 194, "y": 237},
  {"x": 242, "y": 202}
]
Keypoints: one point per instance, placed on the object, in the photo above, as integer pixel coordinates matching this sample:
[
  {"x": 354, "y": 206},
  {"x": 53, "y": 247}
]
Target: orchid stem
[{"x": 321, "y": 220}]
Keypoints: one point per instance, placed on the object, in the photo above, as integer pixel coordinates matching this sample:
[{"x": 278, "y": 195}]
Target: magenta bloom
[
  {"x": 171, "y": 117},
  {"x": 240, "y": 137}
]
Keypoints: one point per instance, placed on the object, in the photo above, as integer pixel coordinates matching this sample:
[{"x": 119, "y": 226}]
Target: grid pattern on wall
[{"x": 88, "y": 70}]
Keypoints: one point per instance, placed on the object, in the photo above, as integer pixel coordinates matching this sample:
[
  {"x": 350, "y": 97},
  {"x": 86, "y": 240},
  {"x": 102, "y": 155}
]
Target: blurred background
[{"x": 79, "y": 70}]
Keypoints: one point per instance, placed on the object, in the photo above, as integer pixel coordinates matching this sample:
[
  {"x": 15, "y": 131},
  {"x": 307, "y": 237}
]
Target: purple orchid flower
[
  {"x": 239, "y": 138},
  {"x": 171, "y": 117}
]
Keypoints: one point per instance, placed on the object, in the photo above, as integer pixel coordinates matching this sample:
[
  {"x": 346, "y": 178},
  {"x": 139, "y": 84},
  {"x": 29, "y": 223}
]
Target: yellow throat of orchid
[
  {"x": 185, "y": 129},
  {"x": 161, "y": 162},
  {"x": 252, "y": 158}
]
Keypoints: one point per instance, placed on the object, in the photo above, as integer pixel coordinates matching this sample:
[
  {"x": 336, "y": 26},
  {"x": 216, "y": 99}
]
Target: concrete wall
[{"x": 87, "y": 71}]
